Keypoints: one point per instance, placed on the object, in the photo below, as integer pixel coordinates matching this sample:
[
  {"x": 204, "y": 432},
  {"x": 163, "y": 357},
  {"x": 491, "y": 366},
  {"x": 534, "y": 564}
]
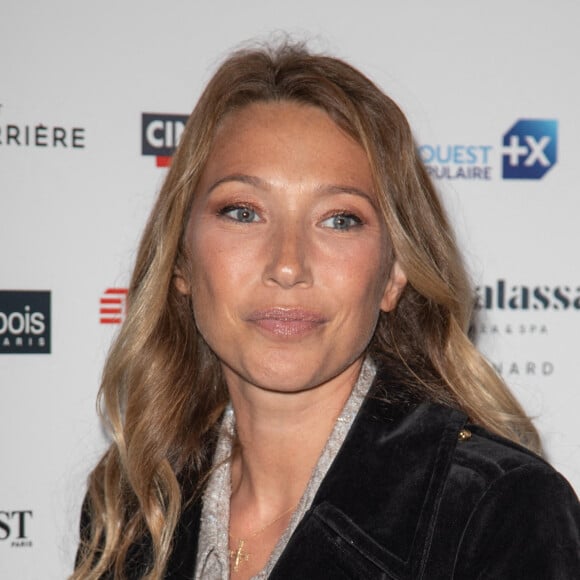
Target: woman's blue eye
[
  {"x": 342, "y": 221},
  {"x": 240, "y": 214}
]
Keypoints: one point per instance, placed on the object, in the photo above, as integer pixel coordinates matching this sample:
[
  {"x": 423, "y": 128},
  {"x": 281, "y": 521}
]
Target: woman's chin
[{"x": 287, "y": 373}]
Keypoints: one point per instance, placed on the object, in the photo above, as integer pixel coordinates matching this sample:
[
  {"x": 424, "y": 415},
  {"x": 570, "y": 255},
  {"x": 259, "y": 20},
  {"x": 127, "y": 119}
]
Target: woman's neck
[{"x": 281, "y": 436}]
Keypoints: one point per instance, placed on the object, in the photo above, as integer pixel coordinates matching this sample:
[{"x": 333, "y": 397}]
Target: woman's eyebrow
[
  {"x": 335, "y": 189},
  {"x": 240, "y": 178}
]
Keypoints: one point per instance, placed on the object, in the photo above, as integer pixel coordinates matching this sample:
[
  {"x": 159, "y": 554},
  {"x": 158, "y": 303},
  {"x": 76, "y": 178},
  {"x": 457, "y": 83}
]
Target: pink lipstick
[{"x": 286, "y": 322}]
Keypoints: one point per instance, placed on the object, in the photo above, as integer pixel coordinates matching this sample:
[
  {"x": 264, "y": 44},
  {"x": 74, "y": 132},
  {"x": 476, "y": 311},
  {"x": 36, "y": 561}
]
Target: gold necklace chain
[{"x": 240, "y": 554}]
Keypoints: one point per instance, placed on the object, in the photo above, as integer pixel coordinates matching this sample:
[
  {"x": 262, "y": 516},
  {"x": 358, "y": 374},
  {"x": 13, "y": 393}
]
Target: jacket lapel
[{"x": 373, "y": 514}]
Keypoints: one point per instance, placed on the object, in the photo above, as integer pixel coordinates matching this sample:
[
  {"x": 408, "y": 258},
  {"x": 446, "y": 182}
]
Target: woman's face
[{"x": 290, "y": 257}]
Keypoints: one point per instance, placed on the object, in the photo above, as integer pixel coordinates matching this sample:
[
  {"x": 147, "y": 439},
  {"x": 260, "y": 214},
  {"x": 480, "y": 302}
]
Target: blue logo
[
  {"x": 530, "y": 149},
  {"x": 457, "y": 161}
]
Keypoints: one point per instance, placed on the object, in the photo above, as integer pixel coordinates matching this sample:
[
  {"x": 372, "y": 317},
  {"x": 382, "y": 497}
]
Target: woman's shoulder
[
  {"x": 419, "y": 492},
  {"x": 446, "y": 430},
  {"x": 509, "y": 512},
  {"x": 473, "y": 463},
  {"x": 488, "y": 457},
  {"x": 494, "y": 469}
]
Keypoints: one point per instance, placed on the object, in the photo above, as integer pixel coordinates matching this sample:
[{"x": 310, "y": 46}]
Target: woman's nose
[{"x": 288, "y": 262}]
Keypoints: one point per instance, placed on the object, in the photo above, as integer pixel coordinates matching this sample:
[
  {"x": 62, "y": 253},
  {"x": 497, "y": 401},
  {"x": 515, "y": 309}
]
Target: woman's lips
[{"x": 286, "y": 322}]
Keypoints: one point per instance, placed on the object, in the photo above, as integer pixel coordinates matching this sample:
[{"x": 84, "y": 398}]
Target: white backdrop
[{"x": 75, "y": 190}]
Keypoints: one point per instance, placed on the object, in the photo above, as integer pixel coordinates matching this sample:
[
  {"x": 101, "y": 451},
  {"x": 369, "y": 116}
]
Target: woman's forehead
[{"x": 293, "y": 137}]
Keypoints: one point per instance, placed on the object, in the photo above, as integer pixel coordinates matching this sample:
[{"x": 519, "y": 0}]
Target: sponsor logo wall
[
  {"x": 527, "y": 313},
  {"x": 83, "y": 151},
  {"x": 24, "y": 322},
  {"x": 15, "y": 528},
  {"x": 42, "y": 135},
  {"x": 160, "y": 135},
  {"x": 503, "y": 295},
  {"x": 112, "y": 306},
  {"x": 529, "y": 151}
]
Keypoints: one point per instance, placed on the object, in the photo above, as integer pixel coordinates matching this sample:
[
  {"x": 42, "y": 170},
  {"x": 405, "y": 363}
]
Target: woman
[{"x": 293, "y": 394}]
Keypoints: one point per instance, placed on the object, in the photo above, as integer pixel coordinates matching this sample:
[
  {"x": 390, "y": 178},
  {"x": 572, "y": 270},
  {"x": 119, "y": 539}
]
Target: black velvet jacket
[{"x": 416, "y": 492}]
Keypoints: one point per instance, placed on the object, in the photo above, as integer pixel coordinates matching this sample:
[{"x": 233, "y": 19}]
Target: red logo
[{"x": 113, "y": 303}]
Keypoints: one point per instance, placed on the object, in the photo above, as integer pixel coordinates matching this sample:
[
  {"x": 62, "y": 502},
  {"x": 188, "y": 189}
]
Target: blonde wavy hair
[{"x": 162, "y": 391}]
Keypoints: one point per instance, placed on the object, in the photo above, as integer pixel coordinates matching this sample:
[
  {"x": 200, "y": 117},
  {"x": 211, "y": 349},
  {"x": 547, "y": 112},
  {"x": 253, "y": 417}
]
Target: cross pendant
[{"x": 239, "y": 555}]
